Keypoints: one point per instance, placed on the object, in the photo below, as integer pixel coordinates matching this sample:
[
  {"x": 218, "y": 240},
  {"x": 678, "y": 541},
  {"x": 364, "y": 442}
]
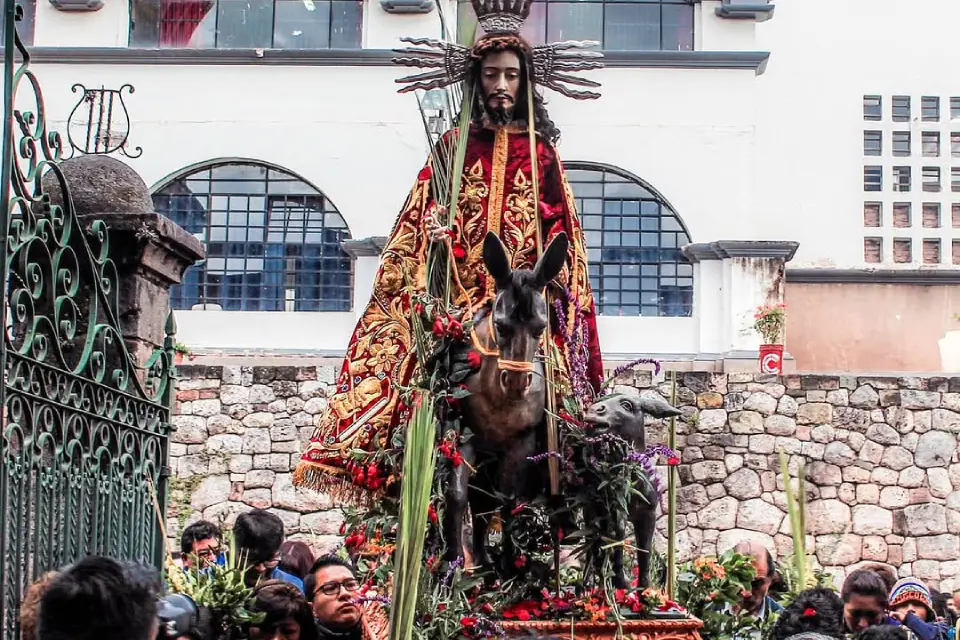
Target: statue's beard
[{"x": 500, "y": 114}]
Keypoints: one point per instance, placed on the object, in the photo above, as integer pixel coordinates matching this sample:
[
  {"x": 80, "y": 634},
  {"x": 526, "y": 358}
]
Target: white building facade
[{"x": 272, "y": 129}]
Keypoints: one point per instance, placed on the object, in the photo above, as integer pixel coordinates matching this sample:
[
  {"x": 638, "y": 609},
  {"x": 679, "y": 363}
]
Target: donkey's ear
[
  {"x": 495, "y": 257},
  {"x": 552, "y": 260}
]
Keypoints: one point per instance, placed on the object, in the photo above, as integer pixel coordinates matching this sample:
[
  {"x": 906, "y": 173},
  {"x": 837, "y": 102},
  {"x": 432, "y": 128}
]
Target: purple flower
[
  {"x": 364, "y": 599},
  {"x": 647, "y": 462}
]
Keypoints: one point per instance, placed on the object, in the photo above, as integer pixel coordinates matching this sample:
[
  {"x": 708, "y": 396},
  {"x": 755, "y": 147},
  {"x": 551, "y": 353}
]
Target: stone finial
[{"x": 100, "y": 184}]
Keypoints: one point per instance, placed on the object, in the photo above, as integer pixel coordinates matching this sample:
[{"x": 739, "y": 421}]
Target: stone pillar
[
  {"x": 150, "y": 251},
  {"x": 733, "y": 278},
  {"x": 366, "y": 260}
]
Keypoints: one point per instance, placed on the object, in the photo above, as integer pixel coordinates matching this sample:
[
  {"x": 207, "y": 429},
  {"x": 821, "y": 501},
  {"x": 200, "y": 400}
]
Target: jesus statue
[{"x": 496, "y": 195}]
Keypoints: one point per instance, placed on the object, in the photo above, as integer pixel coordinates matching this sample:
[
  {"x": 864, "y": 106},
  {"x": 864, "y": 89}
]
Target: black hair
[
  {"x": 281, "y": 601},
  {"x": 199, "y": 530},
  {"x": 296, "y": 558},
  {"x": 329, "y": 560},
  {"x": 940, "y": 607},
  {"x": 259, "y": 533},
  {"x": 864, "y": 582},
  {"x": 812, "y": 611},
  {"x": 884, "y": 632},
  {"x": 100, "y": 599}
]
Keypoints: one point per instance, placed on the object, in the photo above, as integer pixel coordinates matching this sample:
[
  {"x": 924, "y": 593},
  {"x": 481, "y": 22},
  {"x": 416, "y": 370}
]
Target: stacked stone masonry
[{"x": 880, "y": 454}]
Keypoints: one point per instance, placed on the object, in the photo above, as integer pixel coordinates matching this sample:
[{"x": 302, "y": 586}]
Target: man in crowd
[
  {"x": 332, "y": 589},
  {"x": 259, "y": 535},
  {"x": 201, "y": 542},
  {"x": 864, "y": 600},
  {"x": 756, "y": 602},
  {"x": 99, "y": 599}
]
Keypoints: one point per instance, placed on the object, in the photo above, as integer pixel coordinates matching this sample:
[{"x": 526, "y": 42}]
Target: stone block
[
  {"x": 894, "y": 497},
  {"x": 762, "y": 403},
  {"x": 258, "y": 498},
  {"x": 938, "y": 479},
  {"x": 322, "y": 523},
  {"x": 925, "y": 519},
  {"x": 823, "y": 434},
  {"x": 256, "y": 441},
  {"x": 234, "y": 394},
  {"x": 259, "y": 420},
  {"x": 712, "y": 421},
  {"x": 212, "y": 490},
  {"x": 824, "y": 474},
  {"x": 838, "y": 397},
  {"x": 787, "y": 406},
  {"x": 840, "y": 549},
  {"x": 868, "y": 494},
  {"x": 720, "y": 514},
  {"x": 875, "y": 549},
  {"x": 872, "y": 520},
  {"x": 224, "y": 444},
  {"x": 915, "y": 399},
  {"x": 762, "y": 443},
  {"x": 259, "y": 479},
  {"x": 746, "y": 422},
  {"x": 940, "y": 547},
  {"x": 871, "y": 452},
  {"x": 757, "y": 515},
  {"x": 189, "y": 429},
  {"x": 286, "y": 496},
  {"x": 935, "y": 449},
  {"x": 827, "y": 516},
  {"x": 897, "y": 458},
  {"x": 882, "y": 433},
  {"x": 709, "y": 400},
  {"x": 709, "y": 470},
  {"x": 839, "y": 454},
  {"x": 743, "y": 484}
]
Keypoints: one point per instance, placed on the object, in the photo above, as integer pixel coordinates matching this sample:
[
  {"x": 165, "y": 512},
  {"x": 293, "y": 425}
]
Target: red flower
[
  {"x": 343, "y": 528},
  {"x": 523, "y": 614},
  {"x": 809, "y": 612},
  {"x": 418, "y": 309},
  {"x": 468, "y": 622},
  {"x": 438, "y": 328},
  {"x": 458, "y": 251},
  {"x": 487, "y": 608},
  {"x": 474, "y": 360},
  {"x": 517, "y": 509},
  {"x": 520, "y": 562},
  {"x": 432, "y": 514},
  {"x": 673, "y": 461},
  {"x": 456, "y": 458},
  {"x": 455, "y": 329},
  {"x": 425, "y": 174}
]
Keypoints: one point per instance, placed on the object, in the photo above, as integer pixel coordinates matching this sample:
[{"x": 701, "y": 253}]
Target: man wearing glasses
[
  {"x": 259, "y": 535},
  {"x": 332, "y": 590},
  {"x": 200, "y": 542},
  {"x": 756, "y": 602}
]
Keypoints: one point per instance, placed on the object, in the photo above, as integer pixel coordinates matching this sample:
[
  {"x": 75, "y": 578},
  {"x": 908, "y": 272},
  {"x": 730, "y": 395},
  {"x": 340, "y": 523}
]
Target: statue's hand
[{"x": 435, "y": 230}]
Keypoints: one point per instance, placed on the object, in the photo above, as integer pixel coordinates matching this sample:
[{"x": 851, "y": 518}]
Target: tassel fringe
[{"x": 341, "y": 490}]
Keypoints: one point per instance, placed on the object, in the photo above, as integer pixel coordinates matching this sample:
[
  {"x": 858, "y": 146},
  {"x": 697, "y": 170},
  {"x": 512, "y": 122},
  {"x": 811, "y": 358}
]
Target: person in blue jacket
[{"x": 911, "y": 605}]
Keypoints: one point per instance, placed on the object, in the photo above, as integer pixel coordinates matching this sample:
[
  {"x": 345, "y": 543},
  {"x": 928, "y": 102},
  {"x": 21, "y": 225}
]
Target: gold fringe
[{"x": 341, "y": 490}]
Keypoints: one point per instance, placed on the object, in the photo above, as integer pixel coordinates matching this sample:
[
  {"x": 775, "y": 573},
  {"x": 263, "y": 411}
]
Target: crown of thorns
[{"x": 445, "y": 63}]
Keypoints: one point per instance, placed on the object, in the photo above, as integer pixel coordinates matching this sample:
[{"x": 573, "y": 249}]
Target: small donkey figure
[{"x": 624, "y": 415}]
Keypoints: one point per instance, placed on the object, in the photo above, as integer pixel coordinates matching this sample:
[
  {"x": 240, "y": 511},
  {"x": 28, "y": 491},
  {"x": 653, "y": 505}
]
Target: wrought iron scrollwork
[
  {"x": 85, "y": 428},
  {"x": 100, "y": 122}
]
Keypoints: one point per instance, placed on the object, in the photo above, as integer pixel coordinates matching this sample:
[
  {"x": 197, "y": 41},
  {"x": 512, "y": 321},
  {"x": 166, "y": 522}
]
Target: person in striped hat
[{"x": 911, "y": 605}]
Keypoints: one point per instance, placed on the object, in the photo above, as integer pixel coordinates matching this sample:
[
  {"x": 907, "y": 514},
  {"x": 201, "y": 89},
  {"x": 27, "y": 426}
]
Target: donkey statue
[
  {"x": 625, "y": 415},
  {"x": 505, "y": 410}
]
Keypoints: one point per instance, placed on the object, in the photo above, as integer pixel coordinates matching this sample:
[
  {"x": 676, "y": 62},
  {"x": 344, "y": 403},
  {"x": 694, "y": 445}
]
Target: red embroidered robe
[{"x": 496, "y": 194}]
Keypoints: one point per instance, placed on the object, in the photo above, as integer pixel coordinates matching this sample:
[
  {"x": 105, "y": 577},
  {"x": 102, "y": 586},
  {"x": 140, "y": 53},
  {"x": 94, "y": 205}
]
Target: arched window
[
  {"x": 633, "y": 244},
  {"x": 272, "y": 240},
  {"x": 618, "y": 25}
]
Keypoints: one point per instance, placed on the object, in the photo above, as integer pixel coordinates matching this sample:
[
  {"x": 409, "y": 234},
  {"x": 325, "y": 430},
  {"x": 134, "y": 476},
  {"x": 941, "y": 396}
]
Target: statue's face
[{"x": 500, "y": 83}]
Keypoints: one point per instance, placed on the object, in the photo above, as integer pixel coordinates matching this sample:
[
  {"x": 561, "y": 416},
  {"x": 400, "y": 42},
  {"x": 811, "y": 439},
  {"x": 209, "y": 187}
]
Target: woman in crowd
[
  {"x": 288, "y": 615},
  {"x": 815, "y": 614},
  {"x": 296, "y": 558},
  {"x": 864, "y": 601}
]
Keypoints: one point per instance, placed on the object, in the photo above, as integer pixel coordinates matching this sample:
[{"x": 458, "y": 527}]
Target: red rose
[
  {"x": 432, "y": 514},
  {"x": 673, "y": 461},
  {"x": 468, "y": 622},
  {"x": 459, "y": 252},
  {"x": 457, "y": 459},
  {"x": 523, "y": 614},
  {"x": 438, "y": 328},
  {"x": 474, "y": 360},
  {"x": 455, "y": 329},
  {"x": 425, "y": 174},
  {"x": 809, "y": 612},
  {"x": 520, "y": 562}
]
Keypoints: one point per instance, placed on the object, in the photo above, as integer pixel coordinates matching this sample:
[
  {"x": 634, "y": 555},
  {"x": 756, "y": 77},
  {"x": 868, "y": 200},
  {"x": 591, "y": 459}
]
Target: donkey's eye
[
  {"x": 503, "y": 327},
  {"x": 626, "y": 404}
]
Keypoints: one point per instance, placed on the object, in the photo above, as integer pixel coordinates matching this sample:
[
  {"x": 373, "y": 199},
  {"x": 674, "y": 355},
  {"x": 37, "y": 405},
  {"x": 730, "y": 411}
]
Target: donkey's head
[{"x": 520, "y": 313}]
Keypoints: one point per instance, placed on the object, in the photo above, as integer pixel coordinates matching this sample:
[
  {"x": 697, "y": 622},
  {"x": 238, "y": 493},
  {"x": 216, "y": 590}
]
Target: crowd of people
[
  {"x": 872, "y": 605},
  {"x": 298, "y": 596}
]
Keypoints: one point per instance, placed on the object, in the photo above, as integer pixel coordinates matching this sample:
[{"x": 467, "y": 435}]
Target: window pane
[
  {"x": 901, "y": 108},
  {"x": 27, "y": 25},
  {"x": 931, "y": 144},
  {"x": 872, "y": 178},
  {"x": 630, "y": 246},
  {"x": 574, "y": 21},
  {"x": 930, "y": 108},
  {"x": 872, "y": 108},
  {"x": 872, "y": 143},
  {"x": 677, "y": 27},
  {"x": 272, "y": 241},
  {"x": 246, "y": 24},
  {"x": 631, "y": 27}
]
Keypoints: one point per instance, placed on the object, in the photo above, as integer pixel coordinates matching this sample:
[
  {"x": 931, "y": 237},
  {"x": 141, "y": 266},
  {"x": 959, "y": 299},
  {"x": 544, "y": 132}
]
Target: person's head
[
  {"x": 814, "y": 611},
  {"x": 200, "y": 540},
  {"x": 296, "y": 558},
  {"x": 499, "y": 70},
  {"x": 910, "y": 595},
  {"x": 883, "y": 632},
  {"x": 258, "y": 535},
  {"x": 864, "y": 600},
  {"x": 765, "y": 567},
  {"x": 332, "y": 589},
  {"x": 288, "y": 615},
  {"x": 955, "y": 601},
  {"x": 942, "y": 607},
  {"x": 100, "y": 599},
  {"x": 886, "y": 574},
  {"x": 30, "y": 607}
]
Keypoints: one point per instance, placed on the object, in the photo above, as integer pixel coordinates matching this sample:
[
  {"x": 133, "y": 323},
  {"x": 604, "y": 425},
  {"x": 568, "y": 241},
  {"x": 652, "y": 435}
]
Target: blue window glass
[
  {"x": 633, "y": 245},
  {"x": 272, "y": 240}
]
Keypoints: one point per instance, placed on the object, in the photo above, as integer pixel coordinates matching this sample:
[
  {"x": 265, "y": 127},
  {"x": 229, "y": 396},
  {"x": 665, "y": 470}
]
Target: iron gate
[{"x": 85, "y": 427}]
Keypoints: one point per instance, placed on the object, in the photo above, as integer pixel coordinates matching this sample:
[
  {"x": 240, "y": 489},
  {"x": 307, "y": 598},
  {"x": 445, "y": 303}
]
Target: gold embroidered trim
[{"x": 501, "y": 143}]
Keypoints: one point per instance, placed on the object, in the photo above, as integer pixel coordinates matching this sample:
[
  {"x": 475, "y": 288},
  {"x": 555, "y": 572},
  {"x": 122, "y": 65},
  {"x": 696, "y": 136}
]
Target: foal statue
[
  {"x": 506, "y": 406},
  {"x": 625, "y": 415}
]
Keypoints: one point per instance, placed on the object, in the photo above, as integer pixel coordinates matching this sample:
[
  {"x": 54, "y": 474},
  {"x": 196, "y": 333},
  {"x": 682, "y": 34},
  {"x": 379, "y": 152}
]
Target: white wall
[
  {"x": 825, "y": 57},
  {"x": 689, "y": 132}
]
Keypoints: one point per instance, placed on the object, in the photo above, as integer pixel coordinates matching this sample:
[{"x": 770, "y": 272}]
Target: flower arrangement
[
  {"x": 712, "y": 588},
  {"x": 769, "y": 321}
]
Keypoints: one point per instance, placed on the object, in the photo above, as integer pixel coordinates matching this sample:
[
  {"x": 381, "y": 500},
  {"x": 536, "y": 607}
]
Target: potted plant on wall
[
  {"x": 180, "y": 351},
  {"x": 769, "y": 321}
]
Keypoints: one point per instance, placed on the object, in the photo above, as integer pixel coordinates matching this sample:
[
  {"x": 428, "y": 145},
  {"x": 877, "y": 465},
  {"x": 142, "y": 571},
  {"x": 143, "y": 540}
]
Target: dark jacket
[
  {"x": 925, "y": 630},
  {"x": 355, "y": 633}
]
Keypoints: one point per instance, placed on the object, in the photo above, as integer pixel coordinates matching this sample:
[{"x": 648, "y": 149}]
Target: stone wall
[{"x": 880, "y": 456}]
